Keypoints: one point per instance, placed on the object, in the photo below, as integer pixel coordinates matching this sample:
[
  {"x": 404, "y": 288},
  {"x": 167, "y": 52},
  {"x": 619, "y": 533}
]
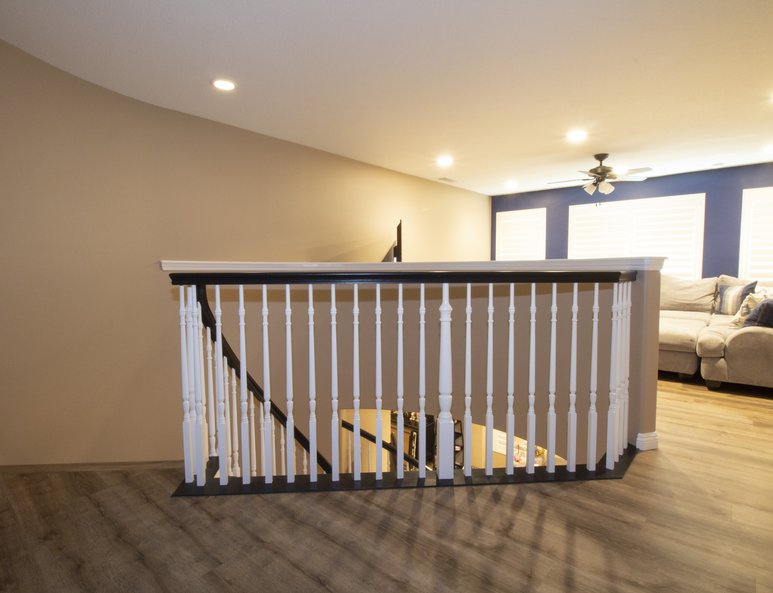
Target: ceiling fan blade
[
  {"x": 633, "y": 178},
  {"x": 637, "y": 171},
  {"x": 571, "y": 181}
]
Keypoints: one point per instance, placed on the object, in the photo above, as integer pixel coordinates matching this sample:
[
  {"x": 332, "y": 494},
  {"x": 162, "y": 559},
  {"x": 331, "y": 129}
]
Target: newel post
[{"x": 445, "y": 423}]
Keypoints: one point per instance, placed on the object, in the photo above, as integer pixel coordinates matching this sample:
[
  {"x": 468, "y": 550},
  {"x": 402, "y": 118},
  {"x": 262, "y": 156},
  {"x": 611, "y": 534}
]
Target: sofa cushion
[
  {"x": 762, "y": 315},
  {"x": 731, "y": 280},
  {"x": 680, "y": 334},
  {"x": 677, "y": 294},
  {"x": 731, "y": 297},
  {"x": 749, "y": 304},
  {"x": 694, "y": 315},
  {"x": 711, "y": 340}
]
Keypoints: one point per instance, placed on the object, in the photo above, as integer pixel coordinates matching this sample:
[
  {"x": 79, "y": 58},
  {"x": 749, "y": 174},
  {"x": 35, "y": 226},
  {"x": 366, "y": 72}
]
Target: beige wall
[{"x": 96, "y": 188}]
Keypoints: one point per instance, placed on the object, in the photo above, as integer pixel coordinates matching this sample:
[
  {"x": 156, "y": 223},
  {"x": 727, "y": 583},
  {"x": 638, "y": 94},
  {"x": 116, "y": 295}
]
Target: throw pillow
[
  {"x": 748, "y": 305},
  {"x": 762, "y": 315},
  {"x": 677, "y": 294},
  {"x": 731, "y": 297},
  {"x": 732, "y": 280}
]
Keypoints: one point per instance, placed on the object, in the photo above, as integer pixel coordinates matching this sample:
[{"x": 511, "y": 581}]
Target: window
[
  {"x": 669, "y": 227},
  {"x": 521, "y": 234},
  {"x": 755, "y": 260}
]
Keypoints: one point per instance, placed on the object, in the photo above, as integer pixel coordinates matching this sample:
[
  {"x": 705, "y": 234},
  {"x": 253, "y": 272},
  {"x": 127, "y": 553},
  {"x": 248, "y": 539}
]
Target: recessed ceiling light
[
  {"x": 511, "y": 184},
  {"x": 445, "y": 160},
  {"x": 222, "y": 84},
  {"x": 576, "y": 136}
]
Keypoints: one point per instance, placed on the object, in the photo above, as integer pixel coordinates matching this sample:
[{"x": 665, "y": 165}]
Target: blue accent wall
[{"x": 722, "y": 230}]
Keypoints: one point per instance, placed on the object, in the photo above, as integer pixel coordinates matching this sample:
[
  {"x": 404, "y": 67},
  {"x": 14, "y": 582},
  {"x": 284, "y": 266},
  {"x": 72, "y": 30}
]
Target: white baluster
[
  {"x": 379, "y": 436},
  {"x": 228, "y": 437},
  {"x": 211, "y": 398},
  {"x": 627, "y": 364},
  {"x": 592, "y": 413},
  {"x": 245, "y": 420},
  {"x": 468, "y": 385},
  {"x": 235, "y": 468},
  {"x": 490, "y": 383},
  {"x": 269, "y": 452},
  {"x": 510, "y": 418},
  {"x": 400, "y": 386},
  {"x": 334, "y": 423},
  {"x": 571, "y": 429},
  {"x": 551, "y": 453},
  {"x": 253, "y": 445},
  {"x": 312, "y": 394},
  {"x": 531, "y": 419},
  {"x": 186, "y": 424},
  {"x": 223, "y": 446},
  {"x": 280, "y": 468},
  {"x": 201, "y": 399},
  {"x": 349, "y": 451},
  {"x": 612, "y": 412},
  {"x": 445, "y": 422},
  {"x": 619, "y": 372},
  {"x": 283, "y": 449},
  {"x": 422, "y": 388},
  {"x": 262, "y": 437},
  {"x": 290, "y": 426},
  {"x": 194, "y": 384},
  {"x": 357, "y": 445}
]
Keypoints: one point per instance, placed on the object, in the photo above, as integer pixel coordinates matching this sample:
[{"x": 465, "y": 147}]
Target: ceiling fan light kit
[
  {"x": 599, "y": 177},
  {"x": 606, "y": 188}
]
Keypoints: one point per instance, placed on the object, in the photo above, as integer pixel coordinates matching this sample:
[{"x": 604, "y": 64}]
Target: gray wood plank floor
[{"x": 695, "y": 515}]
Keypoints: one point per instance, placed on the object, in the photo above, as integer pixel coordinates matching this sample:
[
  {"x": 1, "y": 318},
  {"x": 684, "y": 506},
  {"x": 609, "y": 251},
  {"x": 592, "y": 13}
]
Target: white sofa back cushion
[{"x": 677, "y": 294}]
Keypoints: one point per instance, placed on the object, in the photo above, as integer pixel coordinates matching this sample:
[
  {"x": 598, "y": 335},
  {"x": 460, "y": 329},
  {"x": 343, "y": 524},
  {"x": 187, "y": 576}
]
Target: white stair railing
[{"x": 221, "y": 425}]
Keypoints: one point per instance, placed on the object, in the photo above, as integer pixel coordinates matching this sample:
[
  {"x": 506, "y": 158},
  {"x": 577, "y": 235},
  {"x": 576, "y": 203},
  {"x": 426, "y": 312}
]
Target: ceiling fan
[{"x": 599, "y": 177}]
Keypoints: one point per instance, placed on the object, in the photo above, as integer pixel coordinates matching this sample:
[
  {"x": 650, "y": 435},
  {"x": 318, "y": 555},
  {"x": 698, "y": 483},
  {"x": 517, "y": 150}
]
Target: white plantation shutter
[
  {"x": 521, "y": 234},
  {"x": 670, "y": 226},
  {"x": 755, "y": 260}
]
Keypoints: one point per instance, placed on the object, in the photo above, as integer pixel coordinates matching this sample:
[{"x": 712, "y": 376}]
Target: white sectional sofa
[{"x": 702, "y": 328}]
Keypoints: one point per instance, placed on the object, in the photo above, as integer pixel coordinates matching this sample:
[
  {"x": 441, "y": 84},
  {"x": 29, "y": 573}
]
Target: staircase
[{"x": 544, "y": 357}]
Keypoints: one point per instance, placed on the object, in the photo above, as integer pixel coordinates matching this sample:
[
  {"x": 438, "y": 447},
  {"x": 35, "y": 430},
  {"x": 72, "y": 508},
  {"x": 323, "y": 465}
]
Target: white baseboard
[{"x": 646, "y": 441}]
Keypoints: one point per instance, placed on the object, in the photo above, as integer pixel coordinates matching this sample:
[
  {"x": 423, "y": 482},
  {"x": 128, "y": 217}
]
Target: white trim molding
[
  {"x": 646, "y": 441},
  {"x": 559, "y": 265}
]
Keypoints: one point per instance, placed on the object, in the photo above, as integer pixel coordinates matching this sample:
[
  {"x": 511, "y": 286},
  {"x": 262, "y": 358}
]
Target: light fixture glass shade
[
  {"x": 590, "y": 188},
  {"x": 606, "y": 188},
  {"x": 223, "y": 84}
]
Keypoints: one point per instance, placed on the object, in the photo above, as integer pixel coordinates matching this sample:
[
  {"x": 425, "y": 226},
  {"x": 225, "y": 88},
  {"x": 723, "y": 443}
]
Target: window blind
[
  {"x": 669, "y": 226},
  {"x": 521, "y": 234},
  {"x": 755, "y": 260}
]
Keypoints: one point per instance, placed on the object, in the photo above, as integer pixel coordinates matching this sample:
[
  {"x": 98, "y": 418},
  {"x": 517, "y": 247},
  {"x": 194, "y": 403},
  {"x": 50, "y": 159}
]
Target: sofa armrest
[
  {"x": 750, "y": 342},
  {"x": 748, "y": 358}
]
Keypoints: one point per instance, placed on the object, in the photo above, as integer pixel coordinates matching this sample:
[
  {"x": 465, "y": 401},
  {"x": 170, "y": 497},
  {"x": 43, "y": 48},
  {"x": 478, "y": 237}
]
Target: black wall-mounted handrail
[
  {"x": 208, "y": 319},
  {"x": 388, "y": 446}
]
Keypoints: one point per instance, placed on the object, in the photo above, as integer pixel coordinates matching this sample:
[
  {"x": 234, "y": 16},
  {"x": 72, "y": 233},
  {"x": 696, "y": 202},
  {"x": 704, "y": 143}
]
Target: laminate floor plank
[{"x": 694, "y": 516}]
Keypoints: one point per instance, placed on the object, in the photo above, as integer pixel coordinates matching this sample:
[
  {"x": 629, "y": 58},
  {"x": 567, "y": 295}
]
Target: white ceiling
[{"x": 677, "y": 85}]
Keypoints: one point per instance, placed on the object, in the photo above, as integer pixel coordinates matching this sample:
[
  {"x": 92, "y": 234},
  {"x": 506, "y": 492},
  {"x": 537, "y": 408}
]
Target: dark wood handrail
[
  {"x": 395, "y": 277},
  {"x": 208, "y": 319}
]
